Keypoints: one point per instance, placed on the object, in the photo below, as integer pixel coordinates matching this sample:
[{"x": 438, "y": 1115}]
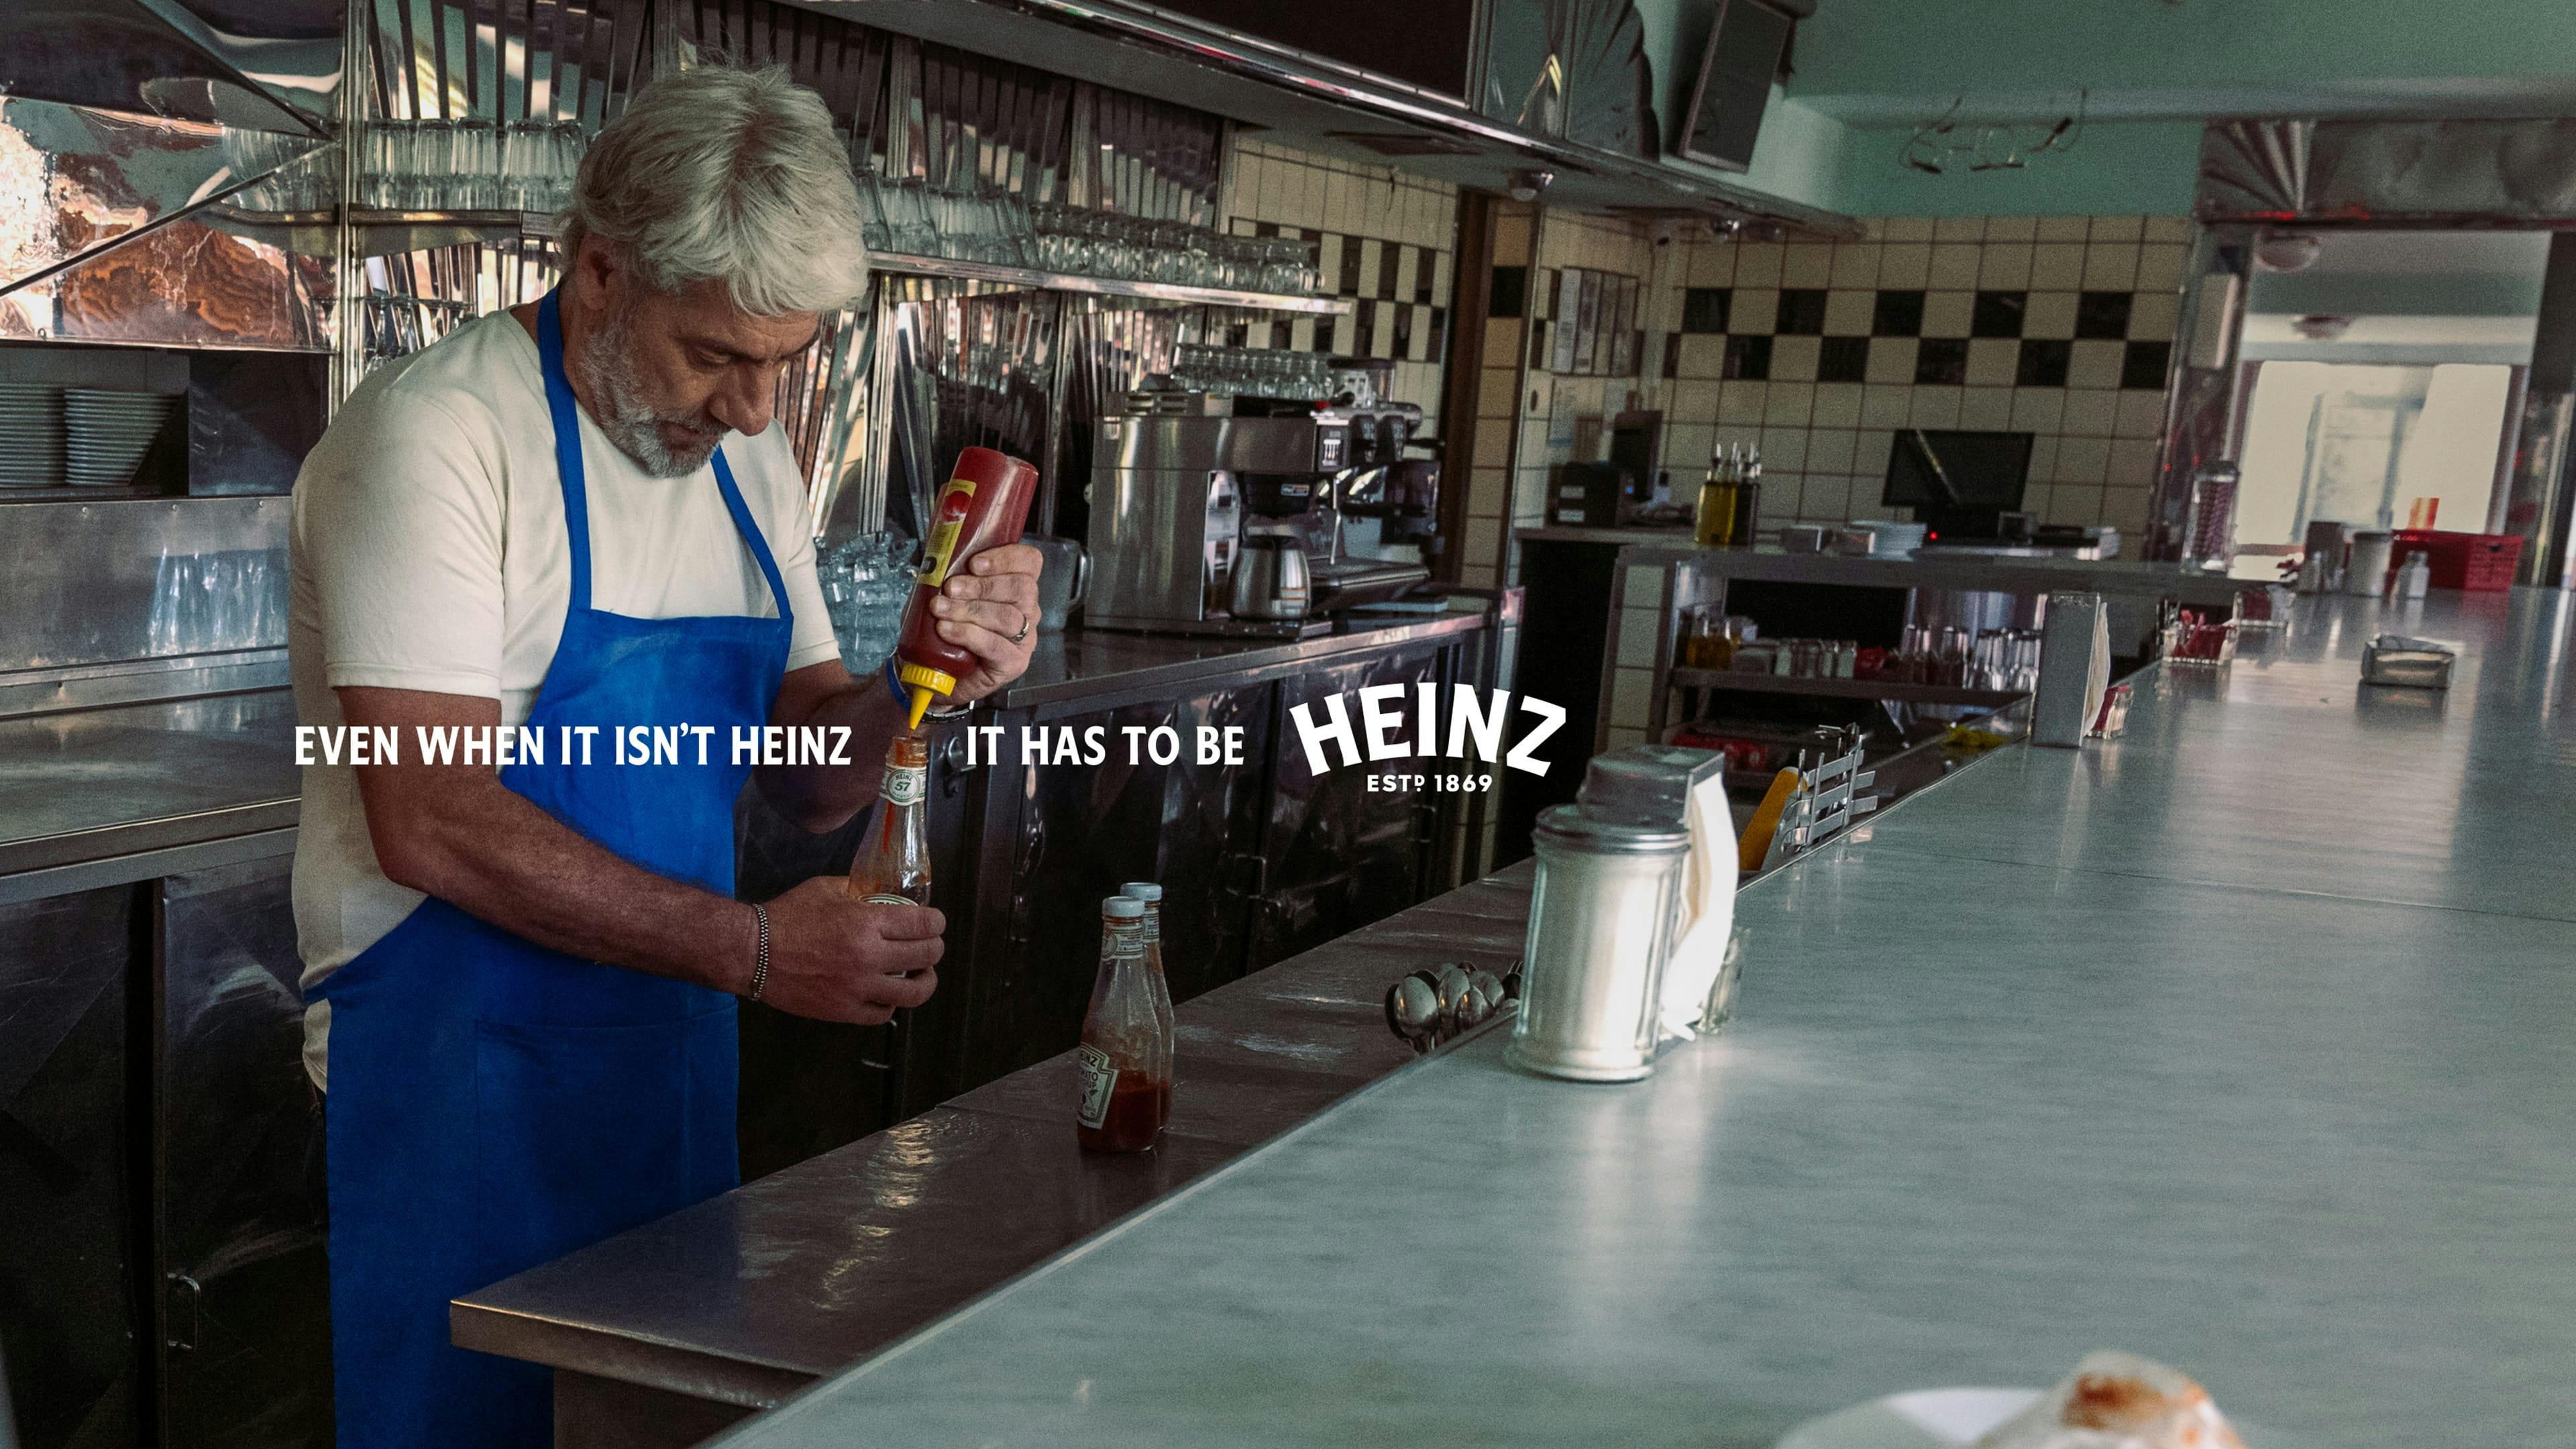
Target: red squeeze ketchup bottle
[{"x": 985, "y": 505}]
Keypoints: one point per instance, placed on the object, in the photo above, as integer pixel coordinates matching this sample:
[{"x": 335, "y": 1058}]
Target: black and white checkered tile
[
  {"x": 1393, "y": 287},
  {"x": 1990, "y": 339}
]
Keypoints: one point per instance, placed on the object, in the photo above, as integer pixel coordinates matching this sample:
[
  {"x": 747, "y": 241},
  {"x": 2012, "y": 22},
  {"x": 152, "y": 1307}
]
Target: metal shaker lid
[
  {"x": 1645, "y": 784},
  {"x": 1571, "y": 827}
]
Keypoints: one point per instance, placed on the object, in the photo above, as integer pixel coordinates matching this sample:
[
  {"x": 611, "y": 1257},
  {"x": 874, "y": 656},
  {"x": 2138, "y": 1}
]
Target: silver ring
[{"x": 1022, "y": 636}]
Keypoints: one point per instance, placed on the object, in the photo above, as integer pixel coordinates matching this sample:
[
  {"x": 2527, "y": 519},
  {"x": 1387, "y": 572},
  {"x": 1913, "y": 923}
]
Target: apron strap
[
  {"x": 567, "y": 421},
  {"x": 750, "y": 530}
]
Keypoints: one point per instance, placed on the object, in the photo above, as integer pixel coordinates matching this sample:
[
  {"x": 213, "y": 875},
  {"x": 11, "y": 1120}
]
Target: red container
[
  {"x": 2481, "y": 561},
  {"x": 985, "y": 505}
]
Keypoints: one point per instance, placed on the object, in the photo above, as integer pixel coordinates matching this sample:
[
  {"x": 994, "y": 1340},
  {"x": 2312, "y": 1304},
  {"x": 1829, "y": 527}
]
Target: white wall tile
[
  {"x": 2049, "y": 314},
  {"x": 1856, "y": 264},
  {"x": 1986, "y": 409},
  {"x": 1993, "y": 361},
  {"x": 1793, "y": 359},
  {"x": 1904, "y": 265},
  {"x": 2110, "y": 267}
]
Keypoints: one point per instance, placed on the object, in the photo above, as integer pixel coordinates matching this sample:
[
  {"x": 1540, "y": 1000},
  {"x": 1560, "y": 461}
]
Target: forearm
[
  {"x": 493, "y": 854},
  {"x": 823, "y": 797}
]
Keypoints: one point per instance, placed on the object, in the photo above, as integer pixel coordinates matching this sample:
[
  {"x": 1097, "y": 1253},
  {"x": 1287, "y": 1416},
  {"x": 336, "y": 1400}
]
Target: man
[{"x": 577, "y": 515}]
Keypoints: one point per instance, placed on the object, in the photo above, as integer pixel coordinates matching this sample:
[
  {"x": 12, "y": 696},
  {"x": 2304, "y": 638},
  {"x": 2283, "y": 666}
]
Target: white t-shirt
[{"x": 429, "y": 553}]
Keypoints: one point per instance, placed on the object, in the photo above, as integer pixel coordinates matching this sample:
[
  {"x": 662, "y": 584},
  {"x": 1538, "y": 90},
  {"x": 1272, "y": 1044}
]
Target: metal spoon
[
  {"x": 1455, "y": 992},
  {"x": 1413, "y": 1010}
]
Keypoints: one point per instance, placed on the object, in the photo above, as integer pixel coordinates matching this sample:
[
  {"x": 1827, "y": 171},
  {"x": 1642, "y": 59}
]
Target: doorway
[{"x": 2360, "y": 443}]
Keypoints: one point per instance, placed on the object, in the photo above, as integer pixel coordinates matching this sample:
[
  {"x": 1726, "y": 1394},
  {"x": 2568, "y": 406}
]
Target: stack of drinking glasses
[
  {"x": 1991, "y": 659},
  {"x": 2005, "y": 659},
  {"x": 866, "y": 581},
  {"x": 1250, "y": 372},
  {"x": 471, "y": 165},
  {"x": 911, "y": 216},
  {"x": 1085, "y": 242}
]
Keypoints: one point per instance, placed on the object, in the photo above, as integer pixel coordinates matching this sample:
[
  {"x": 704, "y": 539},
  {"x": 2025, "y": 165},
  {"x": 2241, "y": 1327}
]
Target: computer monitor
[{"x": 1958, "y": 483}]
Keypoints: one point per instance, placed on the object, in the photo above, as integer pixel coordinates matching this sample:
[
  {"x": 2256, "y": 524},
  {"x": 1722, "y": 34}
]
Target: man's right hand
[{"x": 836, "y": 959}]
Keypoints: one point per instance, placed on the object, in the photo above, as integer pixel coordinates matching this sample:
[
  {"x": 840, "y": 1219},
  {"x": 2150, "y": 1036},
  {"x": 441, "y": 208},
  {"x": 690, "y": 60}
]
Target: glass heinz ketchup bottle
[
  {"x": 1126, "y": 1050},
  {"x": 984, "y": 505},
  {"x": 1152, "y": 895},
  {"x": 893, "y": 863}
]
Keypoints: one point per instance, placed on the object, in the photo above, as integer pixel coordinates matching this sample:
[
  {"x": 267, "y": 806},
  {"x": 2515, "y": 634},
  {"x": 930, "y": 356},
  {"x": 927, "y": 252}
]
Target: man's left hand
[{"x": 990, "y": 609}]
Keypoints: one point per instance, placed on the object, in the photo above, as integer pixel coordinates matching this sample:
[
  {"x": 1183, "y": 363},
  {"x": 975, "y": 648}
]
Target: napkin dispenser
[
  {"x": 1672, "y": 787},
  {"x": 2074, "y": 670}
]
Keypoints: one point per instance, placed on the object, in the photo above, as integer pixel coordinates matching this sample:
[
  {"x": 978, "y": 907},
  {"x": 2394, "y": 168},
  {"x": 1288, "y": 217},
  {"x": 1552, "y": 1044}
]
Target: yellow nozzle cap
[{"x": 924, "y": 681}]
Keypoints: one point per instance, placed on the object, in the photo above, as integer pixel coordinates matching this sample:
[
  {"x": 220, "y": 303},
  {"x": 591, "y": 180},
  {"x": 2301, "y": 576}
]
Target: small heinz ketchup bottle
[
  {"x": 984, "y": 505},
  {"x": 1126, "y": 1050}
]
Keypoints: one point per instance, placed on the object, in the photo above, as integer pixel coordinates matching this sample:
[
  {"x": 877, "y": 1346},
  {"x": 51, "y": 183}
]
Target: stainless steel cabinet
[
  {"x": 73, "y": 1253},
  {"x": 162, "y": 1277},
  {"x": 245, "y": 1326}
]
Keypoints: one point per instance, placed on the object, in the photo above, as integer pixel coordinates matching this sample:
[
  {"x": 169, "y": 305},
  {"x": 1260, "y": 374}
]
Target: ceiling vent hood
[{"x": 1584, "y": 81}]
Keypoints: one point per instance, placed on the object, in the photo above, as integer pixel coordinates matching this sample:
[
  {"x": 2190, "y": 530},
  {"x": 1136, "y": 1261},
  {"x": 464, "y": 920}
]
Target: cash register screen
[{"x": 1931, "y": 468}]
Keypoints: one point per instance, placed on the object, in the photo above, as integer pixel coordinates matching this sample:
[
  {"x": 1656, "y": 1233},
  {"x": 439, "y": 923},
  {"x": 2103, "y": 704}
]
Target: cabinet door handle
[{"x": 180, "y": 1297}]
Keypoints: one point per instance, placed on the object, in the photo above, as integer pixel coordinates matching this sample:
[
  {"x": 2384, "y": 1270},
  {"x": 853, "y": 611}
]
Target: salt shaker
[{"x": 1600, "y": 929}]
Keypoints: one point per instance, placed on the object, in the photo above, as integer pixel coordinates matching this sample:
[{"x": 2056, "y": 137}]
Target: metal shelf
[
  {"x": 911, "y": 266},
  {"x": 384, "y": 231},
  {"x": 1889, "y": 689}
]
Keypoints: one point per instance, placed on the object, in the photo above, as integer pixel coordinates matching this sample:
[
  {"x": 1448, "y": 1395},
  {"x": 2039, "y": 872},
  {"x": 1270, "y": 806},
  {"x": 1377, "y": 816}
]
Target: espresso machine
[{"x": 1178, "y": 499}]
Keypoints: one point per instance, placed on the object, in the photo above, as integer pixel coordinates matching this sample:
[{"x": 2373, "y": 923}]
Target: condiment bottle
[
  {"x": 2415, "y": 575},
  {"x": 1748, "y": 500},
  {"x": 1716, "y": 503},
  {"x": 1126, "y": 1050},
  {"x": 984, "y": 505},
  {"x": 1152, "y": 895},
  {"x": 893, "y": 863}
]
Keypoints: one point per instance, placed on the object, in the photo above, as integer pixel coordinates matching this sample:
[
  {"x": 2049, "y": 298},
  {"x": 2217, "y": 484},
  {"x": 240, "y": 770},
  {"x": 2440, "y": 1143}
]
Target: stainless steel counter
[
  {"x": 744, "y": 1299},
  {"x": 98, "y": 797},
  {"x": 82, "y": 790},
  {"x": 2241, "y": 1042},
  {"x": 1936, "y": 569},
  {"x": 1085, "y": 664}
]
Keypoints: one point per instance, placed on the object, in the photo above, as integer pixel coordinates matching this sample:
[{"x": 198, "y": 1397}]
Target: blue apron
[{"x": 495, "y": 1104}]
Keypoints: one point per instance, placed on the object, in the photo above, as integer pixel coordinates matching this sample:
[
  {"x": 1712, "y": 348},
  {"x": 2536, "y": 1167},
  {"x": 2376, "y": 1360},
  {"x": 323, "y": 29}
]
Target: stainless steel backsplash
[{"x": 92, "y": 584}]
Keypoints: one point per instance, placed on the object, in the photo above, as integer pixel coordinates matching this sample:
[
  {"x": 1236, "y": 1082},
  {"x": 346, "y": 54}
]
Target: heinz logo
[{"x": 1473, "y": 727}]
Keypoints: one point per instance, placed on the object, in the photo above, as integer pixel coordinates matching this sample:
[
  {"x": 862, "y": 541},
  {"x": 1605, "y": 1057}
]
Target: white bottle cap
[
  {"x": 1123, "y": 908},
  {"x": 1143, "y": 890}
]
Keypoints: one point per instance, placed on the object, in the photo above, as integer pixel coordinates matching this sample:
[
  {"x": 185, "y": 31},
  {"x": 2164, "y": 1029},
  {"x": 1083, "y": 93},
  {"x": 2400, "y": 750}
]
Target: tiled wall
[
  {"x": 1388, "y": 240},
  {"x": 1819, "y": 351},
  {"x": 2056, "y": 326},
  {"x": 1525, "y": 413}
]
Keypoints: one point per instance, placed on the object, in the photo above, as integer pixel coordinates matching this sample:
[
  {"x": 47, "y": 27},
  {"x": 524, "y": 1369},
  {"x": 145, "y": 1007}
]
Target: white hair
[{"x": 719, "y": 173}]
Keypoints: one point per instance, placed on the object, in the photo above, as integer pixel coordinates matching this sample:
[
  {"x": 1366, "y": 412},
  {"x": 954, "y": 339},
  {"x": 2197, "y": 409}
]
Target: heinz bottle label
[
  {"x": 951, "y": 518},
  {"x": 1099, "y": 1079},
  {"x": 905, "y": 784}
]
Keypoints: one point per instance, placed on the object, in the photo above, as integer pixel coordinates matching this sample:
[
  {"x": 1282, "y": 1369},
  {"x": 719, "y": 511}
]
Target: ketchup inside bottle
[
  {"x": 1126, "y": 1052},
  {"x": 984, "y": 504}
]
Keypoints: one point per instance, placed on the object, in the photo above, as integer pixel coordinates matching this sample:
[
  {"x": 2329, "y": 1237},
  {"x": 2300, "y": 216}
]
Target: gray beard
[{"x": 617, "y": 396}]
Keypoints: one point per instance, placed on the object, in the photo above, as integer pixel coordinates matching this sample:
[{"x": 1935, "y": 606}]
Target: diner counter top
[
  {"x": 126, "y": 781},
  {"x": 2240, "y": 1042},
  {"x": 752, "y": 1295}
]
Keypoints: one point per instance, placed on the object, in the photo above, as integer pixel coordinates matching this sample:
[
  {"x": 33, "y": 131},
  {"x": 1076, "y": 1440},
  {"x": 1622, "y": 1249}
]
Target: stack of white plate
[
  {"x": 1892, "y": 537},
  {"x": 31, "y": 435},
  {"x": 106, "y": 433}
]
